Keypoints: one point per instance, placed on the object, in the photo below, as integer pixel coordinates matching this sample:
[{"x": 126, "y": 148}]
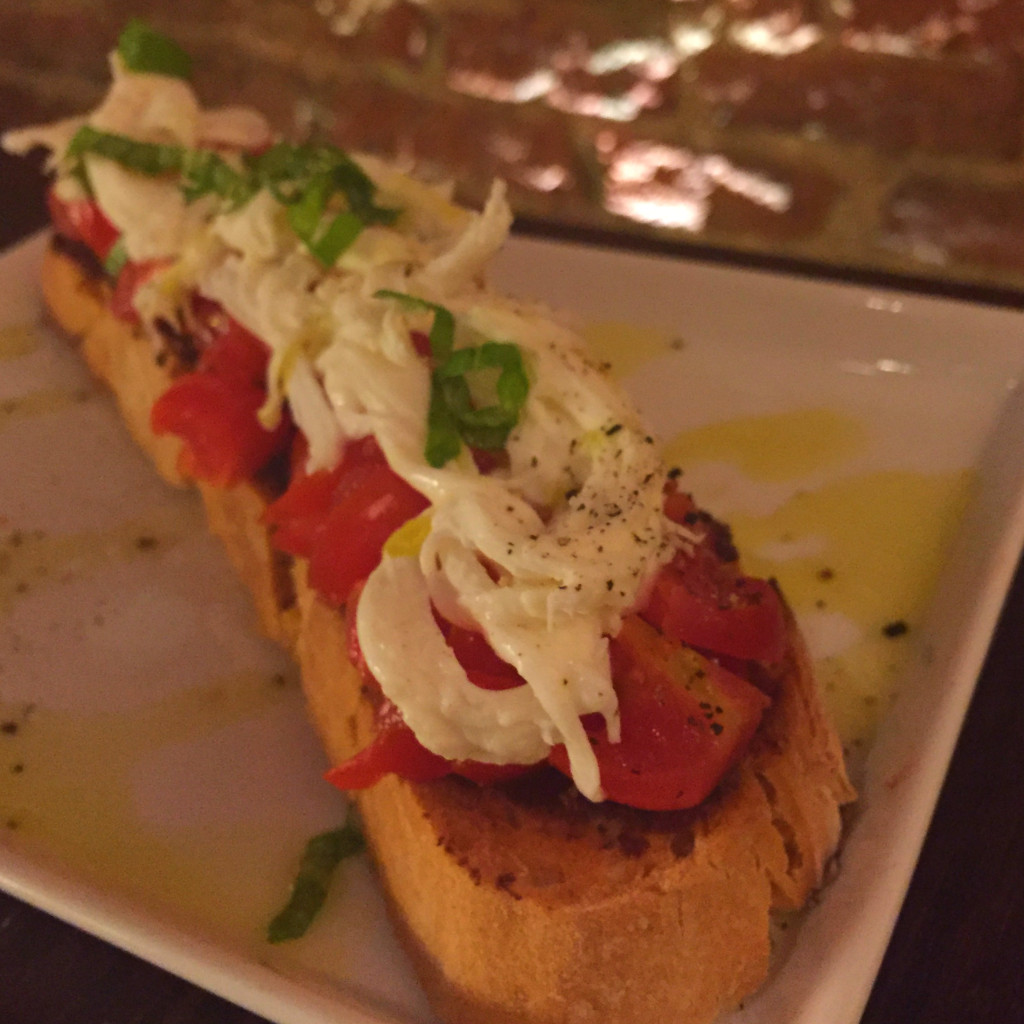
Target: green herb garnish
[
  {"x": 487, "y": 427},
  {"x": 149, "y": 158},
  {"x": 322, "y": 855},
  {"x": 144, "y": 49},
  {"x": 452, "y": 417},
  {"x": 328, "y": 197},
  {"x": 116, "y": 258},
  {"x": 442, "y": 331},
  {"x": 313, "y": 181}
]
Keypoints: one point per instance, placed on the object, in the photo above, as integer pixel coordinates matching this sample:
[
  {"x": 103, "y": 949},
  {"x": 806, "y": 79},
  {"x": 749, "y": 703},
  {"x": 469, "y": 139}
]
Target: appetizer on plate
[{"x": 588, "y": 750}]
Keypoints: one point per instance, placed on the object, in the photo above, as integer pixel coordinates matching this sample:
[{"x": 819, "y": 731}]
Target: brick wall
[{"x": 867, "y": 134}]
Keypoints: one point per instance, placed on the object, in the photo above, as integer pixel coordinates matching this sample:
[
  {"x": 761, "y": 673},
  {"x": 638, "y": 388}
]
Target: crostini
[{"x": 588, "y": 751}]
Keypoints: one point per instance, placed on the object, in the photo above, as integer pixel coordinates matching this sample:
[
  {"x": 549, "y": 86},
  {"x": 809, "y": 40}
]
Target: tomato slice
[
  {"x": 297, "y": 516},
  {"x": 483, "y": 667},
  {"x": 84, "y": 221},
  {"x": 340, "y": 519},
  {"x": 746, "y": 621},
  {"x": 370, "y": 503},
  {"x": 395, "y": 750},
  {"x": 685, "y": 722},
  {"x": 235, "y": 356},
  {"x": 213, "y": 410},
  {"x": 703, "y": 600}
]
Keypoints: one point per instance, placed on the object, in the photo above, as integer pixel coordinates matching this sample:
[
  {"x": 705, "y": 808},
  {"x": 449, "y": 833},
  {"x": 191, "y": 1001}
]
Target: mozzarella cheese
[{"x": 543, "y": 557}]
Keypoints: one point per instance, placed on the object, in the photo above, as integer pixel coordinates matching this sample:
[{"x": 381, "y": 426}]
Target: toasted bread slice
[{"x": 525, "y": 903}]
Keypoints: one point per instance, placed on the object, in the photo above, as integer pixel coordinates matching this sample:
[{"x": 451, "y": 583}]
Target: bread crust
[{"x": 526, "y": 904}]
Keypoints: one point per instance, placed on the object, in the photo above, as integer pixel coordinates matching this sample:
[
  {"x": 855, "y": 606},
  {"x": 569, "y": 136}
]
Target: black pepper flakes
[{"x": 896, "y": 628}]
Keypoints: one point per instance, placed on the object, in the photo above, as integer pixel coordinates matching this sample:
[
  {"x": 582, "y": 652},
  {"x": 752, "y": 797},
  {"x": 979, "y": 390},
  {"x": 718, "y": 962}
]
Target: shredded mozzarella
[{"x": 543, "y": 557}]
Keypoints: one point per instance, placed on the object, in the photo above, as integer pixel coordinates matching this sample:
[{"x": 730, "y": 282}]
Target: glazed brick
[
  {"x": 890, "y": 103},
  {"x": 278, "y": 91},
  {"x": 372, "y": 117},
  {"x": 473, "y": 142},
  {"x": 793, "y": 11},
  {"x": 934, "y": 27},
  {"x": 497, "y": 57},
  {"x": 622, "y": 95},
  {"x": 73, "y": 38},
  {"x": 584, "y": 61},
  {"x": 713, "y": 192},
  {"x": 33, "y": 105},
  {"x": 402, "y": 33},
  {"x": 936, "y": 222}
]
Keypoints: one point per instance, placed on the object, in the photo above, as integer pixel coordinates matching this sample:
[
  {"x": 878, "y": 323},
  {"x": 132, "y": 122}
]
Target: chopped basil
[
  {"x": 310, "y": 181},
  {"x": 487, "y": 427},
  {"x": 452, "y": 417},
  {"x": 322, "y": 855},
  {"x": 442, "y": 331},
  {"x": 149, "y": 158},
  {"x": 116, "y": 258},
  {"x": 443, "y": 441},
  {"x": 328, "y": 196},
  {"x": 146, "y": 50},
  {"x": 204, "y": 173}
]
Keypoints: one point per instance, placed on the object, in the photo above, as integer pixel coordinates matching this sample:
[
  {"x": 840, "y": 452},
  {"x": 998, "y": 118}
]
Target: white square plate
[{"x": 157, "y": 777}]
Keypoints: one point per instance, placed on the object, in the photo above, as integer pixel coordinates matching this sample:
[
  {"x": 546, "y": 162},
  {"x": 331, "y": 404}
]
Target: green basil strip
[
  {"x": 290, "y": 172},
  {"x": 359, "y": 191},
  {"x": 306, "y": 210},
  {"x": 487, "y": 427},
  {"x": 333, "y": 240},
  {"x": 451, "y": 418},
  {"x": 443, "y": 441},
  {"x": 512, "y": 385},
  {"x": 150, "y": 158},
  {"x": 442, "y": 331},
  {"x": 323, "y": 854},
  {"x": 306, "y": 179},
  {"x": 205, "y": 172},
  {"x": 146, "y": 50},
  {"x": 116, "y": 258}
]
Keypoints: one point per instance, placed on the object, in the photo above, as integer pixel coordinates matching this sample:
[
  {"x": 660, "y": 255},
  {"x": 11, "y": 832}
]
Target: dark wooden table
[{"x": 957, "y": 955}]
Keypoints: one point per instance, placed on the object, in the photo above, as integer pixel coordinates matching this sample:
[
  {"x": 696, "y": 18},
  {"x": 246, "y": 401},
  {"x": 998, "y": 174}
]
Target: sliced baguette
[{"x": 526, "y": 904}]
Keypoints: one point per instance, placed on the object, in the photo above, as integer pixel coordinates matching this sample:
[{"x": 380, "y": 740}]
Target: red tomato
[
  {"x": 297, "y": 516},
  {"x": 340, "y": 519},
  {"x": 395, "y": 750},
  {"x": 484, "y": 668},
  {"x": 371, "y": 502},
  {"x": 84, "y": 221},
  {"x": 213, "y": 411},
  {"x": 685, "y": 722},
  {"x": 236, "y": 356},
  {"x": 701, "y": 599},
  {"x": 745, "y": 622}
]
